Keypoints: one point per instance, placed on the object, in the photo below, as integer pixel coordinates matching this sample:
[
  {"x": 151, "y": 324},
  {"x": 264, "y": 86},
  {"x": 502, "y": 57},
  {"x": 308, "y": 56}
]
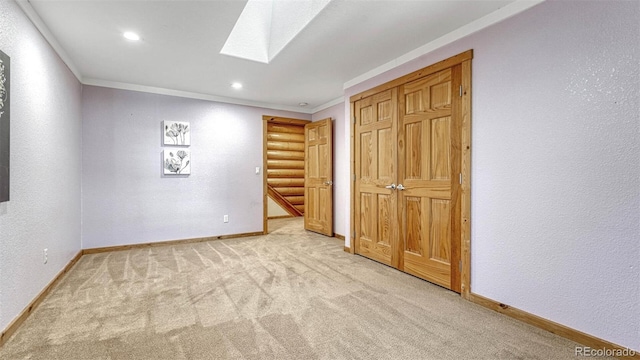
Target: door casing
[{"x": 276, "y": 120}]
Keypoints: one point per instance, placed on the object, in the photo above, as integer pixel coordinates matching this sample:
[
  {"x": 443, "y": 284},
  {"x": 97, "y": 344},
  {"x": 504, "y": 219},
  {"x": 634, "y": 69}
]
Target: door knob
[
  {"x": 328, "y": 182},
  {"x": 392, "y": 186},
  {"x": 401, "y": 187}
]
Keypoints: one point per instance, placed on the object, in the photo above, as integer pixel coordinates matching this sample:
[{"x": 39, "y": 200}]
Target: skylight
[{"x": 265, "y": 27}]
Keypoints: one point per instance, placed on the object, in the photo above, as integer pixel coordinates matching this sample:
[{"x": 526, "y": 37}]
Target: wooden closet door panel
[
  {"x": 427, "y": 169},
  {"x": 376, "y": 168}
]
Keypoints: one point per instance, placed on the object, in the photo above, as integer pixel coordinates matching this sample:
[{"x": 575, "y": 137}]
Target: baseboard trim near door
[
  {"x": 555, "y": 328},
  {"x": 24, "y": 314},
  {"x": 346, "y": 248},
  {"x": 168, "y": 242}
]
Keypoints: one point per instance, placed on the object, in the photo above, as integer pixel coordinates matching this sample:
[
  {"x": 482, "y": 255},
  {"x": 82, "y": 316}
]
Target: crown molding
[
  {"x": 190, "y": 95},
  {"x": 328, "y": 105}
]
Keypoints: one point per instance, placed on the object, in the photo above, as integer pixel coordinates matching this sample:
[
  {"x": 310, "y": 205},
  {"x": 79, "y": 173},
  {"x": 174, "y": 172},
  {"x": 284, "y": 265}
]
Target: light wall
[
  {"x": 340, "y": 166},
  {"x": 555, "y": 188},
  {"x": 274, "y": 209},
  {"x": 125, "y": 197},
  {"x": 44, "y": 207}
]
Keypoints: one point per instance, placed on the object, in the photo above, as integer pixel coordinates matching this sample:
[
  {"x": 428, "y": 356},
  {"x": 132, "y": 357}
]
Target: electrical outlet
[
  {"x": 257, "y": 170},
  {"x": 45, "y": 256},
  {"x": 225, "y": 218}
]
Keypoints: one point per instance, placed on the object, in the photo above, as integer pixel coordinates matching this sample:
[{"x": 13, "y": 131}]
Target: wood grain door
[
  {"x": 376, "y": 175},
  {"x": 318, "y": 177},
  {"x": 429, "y": 166}
]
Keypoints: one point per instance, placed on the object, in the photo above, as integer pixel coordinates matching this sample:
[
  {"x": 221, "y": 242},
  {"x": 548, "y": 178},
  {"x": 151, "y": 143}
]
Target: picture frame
[
  {"x": 176, "y": 161},
  {"x": 176, "y": 133}
]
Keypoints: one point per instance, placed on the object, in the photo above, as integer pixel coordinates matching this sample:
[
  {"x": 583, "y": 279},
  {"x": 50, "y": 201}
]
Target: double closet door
[{"x": 408, "y": 174}]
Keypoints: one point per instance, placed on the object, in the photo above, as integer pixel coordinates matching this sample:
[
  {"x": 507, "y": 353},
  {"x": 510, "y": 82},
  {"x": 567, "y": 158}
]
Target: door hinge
[
  {"x": 460, "y": 180},
  {"x": 460, "y": 90},
  {"x": 354, "y": 119},
  {"x": 460, "y": 265},
  {"x": 353, "y": 234},
  {"x": 353, "y": 177}
]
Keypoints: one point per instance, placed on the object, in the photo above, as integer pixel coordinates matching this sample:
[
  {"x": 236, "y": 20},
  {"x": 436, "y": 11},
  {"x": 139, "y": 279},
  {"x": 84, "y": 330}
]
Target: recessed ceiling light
[
  {"x": 131, "y": 36},
  {"x": 236, "y": 85},
  {"x": 303, "y": 104}
]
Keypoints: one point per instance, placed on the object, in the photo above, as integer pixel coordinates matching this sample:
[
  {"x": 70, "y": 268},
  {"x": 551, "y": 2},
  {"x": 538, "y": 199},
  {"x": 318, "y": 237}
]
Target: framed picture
[
  {"x": 4, "y": 126},
  {"x": 176, "y": 161},
  {"x": 176, "y": 133}
]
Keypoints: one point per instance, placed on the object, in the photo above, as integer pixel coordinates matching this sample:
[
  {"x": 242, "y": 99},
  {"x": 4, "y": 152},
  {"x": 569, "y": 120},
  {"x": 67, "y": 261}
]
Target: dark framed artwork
[{"x": 4, "y": 127}]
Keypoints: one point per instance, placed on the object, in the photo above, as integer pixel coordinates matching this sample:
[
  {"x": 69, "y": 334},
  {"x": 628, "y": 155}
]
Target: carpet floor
[{"x": 287, "y": 295}]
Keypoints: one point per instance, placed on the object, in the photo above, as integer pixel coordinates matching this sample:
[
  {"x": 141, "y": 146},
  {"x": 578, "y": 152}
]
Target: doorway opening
[{"x": 298, "y": 172}]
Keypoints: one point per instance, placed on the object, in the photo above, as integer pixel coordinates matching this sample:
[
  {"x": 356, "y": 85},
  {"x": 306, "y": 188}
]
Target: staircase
[
  {"x": 283, "y": 202},
  {"x": 285, "y": 164}
]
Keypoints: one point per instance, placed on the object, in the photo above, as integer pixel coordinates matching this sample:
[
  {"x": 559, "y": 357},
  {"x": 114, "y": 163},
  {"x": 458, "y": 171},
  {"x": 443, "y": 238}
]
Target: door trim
[
  {"x": 463, "y": 59},
  {"x": 465, "y": 211},
  {"x": 352, "y": 178}
]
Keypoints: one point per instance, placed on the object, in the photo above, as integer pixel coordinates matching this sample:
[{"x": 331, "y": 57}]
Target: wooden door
[
  {"x": 407, "y": 167},
  {"x": 429, "y": 168},
  {"x": 318, "y": 177},
  {"x": 375, "y": 202},
  {"x": 411, "y": 165}
]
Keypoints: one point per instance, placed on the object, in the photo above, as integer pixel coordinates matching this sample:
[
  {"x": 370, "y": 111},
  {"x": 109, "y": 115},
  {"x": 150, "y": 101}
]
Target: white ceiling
[{"x": 181, "y": 42}]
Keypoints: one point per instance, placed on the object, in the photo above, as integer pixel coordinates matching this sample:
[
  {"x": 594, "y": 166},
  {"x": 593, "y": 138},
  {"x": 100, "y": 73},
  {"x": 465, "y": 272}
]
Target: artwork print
[
  {"x": 4, "y": 127},
  {"x": 176, "y": 133},
  {"x": 177, "y": 161}
]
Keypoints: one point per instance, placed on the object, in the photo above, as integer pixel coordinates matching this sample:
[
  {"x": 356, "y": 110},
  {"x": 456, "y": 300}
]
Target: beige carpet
[{"x": 288, "y": 295}]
